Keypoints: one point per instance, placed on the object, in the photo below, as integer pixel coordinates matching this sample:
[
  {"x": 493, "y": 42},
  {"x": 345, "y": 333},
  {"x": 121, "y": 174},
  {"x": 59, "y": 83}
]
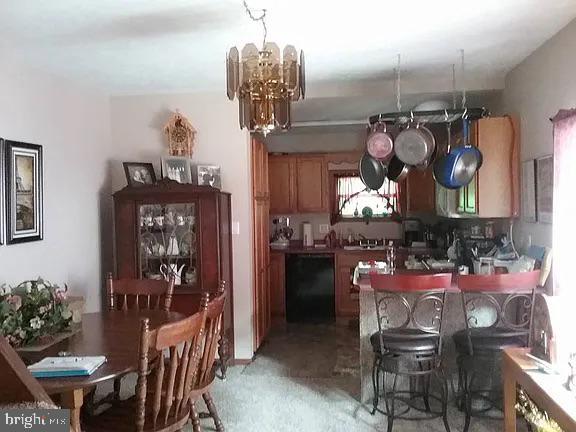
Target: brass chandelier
[{"x": 265, "y": 83}]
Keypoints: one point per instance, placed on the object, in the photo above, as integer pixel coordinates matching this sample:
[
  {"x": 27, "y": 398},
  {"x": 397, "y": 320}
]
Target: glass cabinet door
[{"x": 167, "y": 240}]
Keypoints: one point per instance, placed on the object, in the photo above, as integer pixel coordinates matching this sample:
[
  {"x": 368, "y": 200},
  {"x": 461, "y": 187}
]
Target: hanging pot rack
[{"x": 435, "y": 116}]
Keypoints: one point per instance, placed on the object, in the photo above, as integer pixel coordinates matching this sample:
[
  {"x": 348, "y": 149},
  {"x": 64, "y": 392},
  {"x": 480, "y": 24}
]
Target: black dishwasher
[{"x": 310, "y": 288}]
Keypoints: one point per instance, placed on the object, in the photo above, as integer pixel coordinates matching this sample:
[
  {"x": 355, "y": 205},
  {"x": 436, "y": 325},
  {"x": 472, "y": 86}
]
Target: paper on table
[{"x": 66, "y": 366}]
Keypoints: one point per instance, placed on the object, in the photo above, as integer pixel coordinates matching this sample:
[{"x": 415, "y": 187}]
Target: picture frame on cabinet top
[{"x": 177, "y": 168}]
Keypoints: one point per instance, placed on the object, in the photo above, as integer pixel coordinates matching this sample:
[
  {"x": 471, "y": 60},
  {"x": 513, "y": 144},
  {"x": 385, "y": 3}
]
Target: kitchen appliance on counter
[
  {"x": 307, "y": 236},
  {"x": 282, "y": 233},
  {"x": 310, "y": 295},
  {"x": 412, "y": 229}
]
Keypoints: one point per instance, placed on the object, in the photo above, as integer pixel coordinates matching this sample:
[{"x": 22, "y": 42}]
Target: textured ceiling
[{"x": 139, "y": 46}]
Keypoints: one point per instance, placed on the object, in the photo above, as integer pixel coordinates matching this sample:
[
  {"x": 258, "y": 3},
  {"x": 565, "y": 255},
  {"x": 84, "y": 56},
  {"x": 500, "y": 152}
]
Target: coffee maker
[{"x": 412, "y": 229}]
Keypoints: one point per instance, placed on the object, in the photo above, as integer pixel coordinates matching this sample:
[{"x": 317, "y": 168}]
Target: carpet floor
[{"x": 306, "y": 378}]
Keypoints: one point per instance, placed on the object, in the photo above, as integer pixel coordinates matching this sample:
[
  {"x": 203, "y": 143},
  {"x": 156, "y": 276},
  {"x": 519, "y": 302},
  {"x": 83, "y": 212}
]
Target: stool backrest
[
  {"x": 500, "y": 302},
  {"x": 408, "y": 301}
]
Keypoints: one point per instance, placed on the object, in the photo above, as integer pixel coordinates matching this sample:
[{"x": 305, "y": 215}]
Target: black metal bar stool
[
  {"x": 408, "y": 345},
  {"x": 498, "y": 312}
]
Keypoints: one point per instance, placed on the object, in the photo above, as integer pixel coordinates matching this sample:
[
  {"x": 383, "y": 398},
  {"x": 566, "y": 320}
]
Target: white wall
[
  {"x": 73, "y": 126},
  {"x": 137, "y": 123},
  {"x": 535, "y": 90}
]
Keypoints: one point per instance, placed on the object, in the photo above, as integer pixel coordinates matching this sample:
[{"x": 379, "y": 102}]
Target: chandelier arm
[{"x": 261, "y": 18}]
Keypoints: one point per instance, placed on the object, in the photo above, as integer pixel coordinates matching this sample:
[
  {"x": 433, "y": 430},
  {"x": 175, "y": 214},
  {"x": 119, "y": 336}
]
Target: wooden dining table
[{"x": 113, "y": 334}]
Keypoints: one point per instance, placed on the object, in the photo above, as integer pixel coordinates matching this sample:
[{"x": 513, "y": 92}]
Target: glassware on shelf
[{"x": 168, "y": 242}]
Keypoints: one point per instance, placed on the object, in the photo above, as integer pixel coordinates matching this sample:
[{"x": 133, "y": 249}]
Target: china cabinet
[{"x": 181, "y": 230}]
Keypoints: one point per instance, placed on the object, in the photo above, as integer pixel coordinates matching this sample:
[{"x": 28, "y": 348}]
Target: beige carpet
[{"x": 305, "y": 378}]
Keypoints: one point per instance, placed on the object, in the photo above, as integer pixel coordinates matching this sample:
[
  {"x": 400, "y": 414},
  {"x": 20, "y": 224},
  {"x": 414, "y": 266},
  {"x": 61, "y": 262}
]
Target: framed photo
[
  {"x": 2, "y": 192},
  {"x": 24, "y": 192},
  {"x": 544, "y": 188},
  {"x": 177, "y": 168},
  {"x": 529, "y": 190},
  {"x": 209, "y": 175},
  {"x": 139, "y": 173}
]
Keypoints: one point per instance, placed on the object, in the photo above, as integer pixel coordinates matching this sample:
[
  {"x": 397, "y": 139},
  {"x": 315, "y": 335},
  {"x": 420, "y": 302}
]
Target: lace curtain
[
  {"x": 564, "y": 235},
  {"x": 352, "y": 192}
]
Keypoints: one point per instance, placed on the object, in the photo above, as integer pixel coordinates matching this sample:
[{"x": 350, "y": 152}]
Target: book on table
[{"x": 66, "y": 366}]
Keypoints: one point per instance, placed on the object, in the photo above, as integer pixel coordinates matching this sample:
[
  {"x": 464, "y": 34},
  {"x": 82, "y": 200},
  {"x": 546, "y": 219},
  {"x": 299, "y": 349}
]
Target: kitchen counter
[{"x": 296, "y": 247}]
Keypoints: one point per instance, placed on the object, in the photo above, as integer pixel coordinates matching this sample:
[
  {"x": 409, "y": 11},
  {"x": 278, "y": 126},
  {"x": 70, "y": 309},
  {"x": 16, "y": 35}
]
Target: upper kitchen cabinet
[
  {"x": 298, "y": 184},
  {"x": 420, "y": 192},
  {"x": 494, "y": 192},
  {"x": 311, "y": 184},
  {"x": 282, "y": 183}
]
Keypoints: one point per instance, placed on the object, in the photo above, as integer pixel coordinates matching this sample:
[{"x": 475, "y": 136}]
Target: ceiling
[{"x": 143, "y": 46}]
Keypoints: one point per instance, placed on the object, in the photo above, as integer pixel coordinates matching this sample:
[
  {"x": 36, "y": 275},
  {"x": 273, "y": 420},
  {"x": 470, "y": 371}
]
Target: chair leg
[
  {"x": 425, "y": 381},
  {"x": 468, "y": 389},
  {"x": 195, "y": 418},
  {"x": 213, "y": 413},
  {"x": 460, "y": 397},
  {"x": 117, "y": 386},
  {"x": 224, "y": 354},
  {"x": 391, "y": 408},
  {"x": 375, "y": 383},
  {"x": 444, "y": 382}
]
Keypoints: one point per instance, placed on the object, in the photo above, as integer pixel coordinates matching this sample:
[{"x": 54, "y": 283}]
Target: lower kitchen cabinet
[
  {"x": 347, "y": 294},
  {"x": 277, "y": 284}
]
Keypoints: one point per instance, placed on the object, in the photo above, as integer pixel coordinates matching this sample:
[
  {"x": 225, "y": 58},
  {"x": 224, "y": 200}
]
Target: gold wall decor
[{"x": 180, "y": 134}]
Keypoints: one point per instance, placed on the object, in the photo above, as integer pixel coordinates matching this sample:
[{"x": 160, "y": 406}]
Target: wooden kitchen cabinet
[
  {"x": 311, "y": 190},
  {"x": 259, "y": 170},
  {"x": 420, "y": 191},
  {"x": 297, "y": 184},
  {"x": 277, "y": 284},
  {"x": 494, "y": 191},
  {"x": 282, "y": 184},
  {"x": 261, "y": 215},
  {"x": 347, "y": 294}
]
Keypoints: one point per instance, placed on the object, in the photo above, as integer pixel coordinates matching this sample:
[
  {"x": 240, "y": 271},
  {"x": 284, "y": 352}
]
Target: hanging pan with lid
[{"x": 379, "y": 143}]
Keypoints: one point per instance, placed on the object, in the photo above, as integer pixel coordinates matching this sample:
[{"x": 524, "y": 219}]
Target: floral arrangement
[
  {"x": 538, "y": 419},
  {"x": 33, "y": 311}
]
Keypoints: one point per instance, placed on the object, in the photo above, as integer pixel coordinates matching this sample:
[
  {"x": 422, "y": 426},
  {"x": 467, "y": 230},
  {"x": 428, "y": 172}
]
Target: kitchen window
[{"x": 354, "y": 200}]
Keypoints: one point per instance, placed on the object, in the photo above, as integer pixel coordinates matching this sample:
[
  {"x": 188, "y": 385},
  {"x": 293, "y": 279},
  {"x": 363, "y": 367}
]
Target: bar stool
[
  {"x": 498, "y": 312},
  {"x": 408, "y": 344}
]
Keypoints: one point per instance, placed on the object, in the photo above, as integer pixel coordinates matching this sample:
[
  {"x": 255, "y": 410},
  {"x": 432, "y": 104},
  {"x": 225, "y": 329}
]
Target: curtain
[
  {"x": 564, "y": 232},
  {"x": 351, "y": 185}
]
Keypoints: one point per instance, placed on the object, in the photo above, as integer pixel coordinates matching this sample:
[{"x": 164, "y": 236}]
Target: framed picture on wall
[
  {"x": 24, "y": 192},
  {"x": 529, "y": 190},
  {"x": 177, "y": 168},
  {"x": 545, "y": 188},
  {"x": 2, "y": 192}
]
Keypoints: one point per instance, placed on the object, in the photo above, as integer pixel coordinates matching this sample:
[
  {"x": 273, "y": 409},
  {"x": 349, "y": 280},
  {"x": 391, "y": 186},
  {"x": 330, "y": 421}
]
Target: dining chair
[
  {"x": 18, "y": 384},
  {"x": 207, "y": 367},
  {"x": 408, "y": 345},
  {"x": 169, "y": 357},
  {"x": 124, "y": 294},
  {"x": 498, "y": 311}
]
